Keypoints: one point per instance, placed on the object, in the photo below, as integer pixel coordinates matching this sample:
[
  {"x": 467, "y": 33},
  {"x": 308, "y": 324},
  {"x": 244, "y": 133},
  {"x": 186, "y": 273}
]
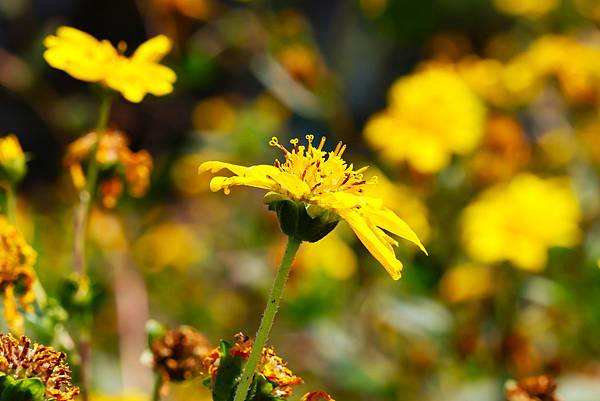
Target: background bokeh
[{"x": 480, "y": 118}]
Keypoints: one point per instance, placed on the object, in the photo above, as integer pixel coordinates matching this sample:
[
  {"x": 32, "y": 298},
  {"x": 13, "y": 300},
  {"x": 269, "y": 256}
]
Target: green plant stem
[
  {"x": 86, "y": 195},
  {"x": 267, "y": 319},
  {"x": 11, "y": 204},
  {"x": 157, "y": 387}
]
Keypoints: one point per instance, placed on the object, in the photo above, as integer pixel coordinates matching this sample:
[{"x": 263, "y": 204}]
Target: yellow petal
[
  {"x": 216, "y": 166},
  {"x": 380, "y": 250},
  {"x": 291, "y": 183},
  {"x": 223, "y": 183},
  {"x": 153, "y": 50},
  {"x": 389, "y": 221}
]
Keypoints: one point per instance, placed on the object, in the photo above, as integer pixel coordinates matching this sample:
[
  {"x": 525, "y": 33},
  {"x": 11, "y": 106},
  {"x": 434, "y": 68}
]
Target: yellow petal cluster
[
  {"x": 518, "y": 221},
  {"x": 323, "y": 181},
  {"x": 84, "y": 57},
  {"x": 16, "y": 271},
  {"x": 432, "y": 115}
]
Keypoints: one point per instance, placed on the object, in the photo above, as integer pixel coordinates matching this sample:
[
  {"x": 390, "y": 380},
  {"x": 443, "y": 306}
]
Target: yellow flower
[
  {"x": 432, "y": 115},
  {"x": 518, "y": 221},
  {"x": 528, "y": 8},
  {"x": 16, "y": 272},
  {"x": 84, "y": 57},
  {"x": 326, "y": 188},
  {"x": 467, "y": 282},
  {"x": 12, "y": 159},
  {"x": 22, "y": 359}
]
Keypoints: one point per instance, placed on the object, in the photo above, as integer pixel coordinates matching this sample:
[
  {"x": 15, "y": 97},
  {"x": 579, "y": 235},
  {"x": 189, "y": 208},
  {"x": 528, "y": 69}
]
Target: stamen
[
  {"x": 322, "y": 143},
  {"x": 310, "y": 138},
  {"x": 345, "y": 179},
  {"x": 275, "y": 143},
  {"x": 337, "y": 148}
]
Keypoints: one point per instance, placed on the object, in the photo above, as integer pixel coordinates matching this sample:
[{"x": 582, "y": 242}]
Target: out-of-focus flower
[
  {"x": 112, "y": 154},
  {"x": 431, "y": 115},
  {"x": 106, "y": 229},
  {"x": 215, "y": 115},
  {"x": 169, "y": 245},
  {"x": 120, "y": 397},
  {"x": 270, "y": 365},
  {"x": 519, "y": 220},
  {"x": 85, "y": 58},
  {"x": 318, "y": 189},
  {"x": 589, "y": 8},
  {"x": 197, "y": 9},
  {"x": 590, "y": 140},
  {"x": 317, "y": 396},
  {"x": 331, "y": 255},
  {"x": 179, "y": 355},
  {"x": 527, "y": 8},
  {"x": 302, "y": 63},
  {"x": 20, "y": 358},
  {"x": 559, "y": 146},
  {"x": 504, "y": 151},
  {"x": 12, "y": 159},
  {"x": 535, "y": 388},
  {"x": 467, "y": 282},
  {"x": 16, "y": 274}
]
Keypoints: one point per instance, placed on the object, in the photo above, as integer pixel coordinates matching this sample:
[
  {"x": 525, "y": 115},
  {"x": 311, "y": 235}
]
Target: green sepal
[
  {"x": 300, "y": 220},
  {"x": 155, "y": 331},
  {"x": 21, "y": 390},
  {"x": 228, "y": 375}
]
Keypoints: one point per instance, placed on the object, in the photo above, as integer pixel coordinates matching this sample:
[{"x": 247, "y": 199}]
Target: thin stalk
[
  {"x": 156, "y": 391},
  {"x": 86, "y": 195},
  {"x": 11, "y": 204},
  {"x": 267, "y": 319}
]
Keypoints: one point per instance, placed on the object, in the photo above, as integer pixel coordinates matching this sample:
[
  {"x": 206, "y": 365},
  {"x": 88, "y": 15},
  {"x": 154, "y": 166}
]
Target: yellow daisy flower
[
  {"x": 312, "y": 190},
  {"x": 84, "y": 57}
]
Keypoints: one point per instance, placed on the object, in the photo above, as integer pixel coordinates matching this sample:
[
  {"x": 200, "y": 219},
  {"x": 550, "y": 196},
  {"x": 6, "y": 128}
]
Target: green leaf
[
  {"x": 228, "y": 375},
  {"x": 22, "y": 390}
]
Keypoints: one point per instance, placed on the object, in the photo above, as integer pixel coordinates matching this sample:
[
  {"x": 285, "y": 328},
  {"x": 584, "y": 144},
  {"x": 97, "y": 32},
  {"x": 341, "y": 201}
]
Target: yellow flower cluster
[
  {"x": 326, "y": 185},
  {"x": 520, "y": 220},
  {"x": 528, "y": 8},
  {"x": 432, "y": 114},
  {"x": 520, "y": 78},
  {"x": 16, "y": 271},
  {"x": 20, "y": 358},
  {"x": 112, "y": 151},
  {"x": 85, "y": 58}
]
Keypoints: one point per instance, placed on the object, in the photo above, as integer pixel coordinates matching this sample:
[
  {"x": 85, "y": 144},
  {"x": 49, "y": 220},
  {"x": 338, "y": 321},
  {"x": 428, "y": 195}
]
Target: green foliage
[{"x": 21, "y": 389}]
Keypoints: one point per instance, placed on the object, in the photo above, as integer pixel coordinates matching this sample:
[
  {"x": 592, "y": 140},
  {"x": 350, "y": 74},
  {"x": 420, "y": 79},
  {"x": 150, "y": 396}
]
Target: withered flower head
[
  {"x": 179, "y": 355},
  {"x": 113, "y": 155},
  {"x": 270, "y": 365},
  {"x": 535, "y": 388},
  {"x": 316, "y": 396},
  {"x": 23, "y": 359},
  {"x": 16, "y": 274}
]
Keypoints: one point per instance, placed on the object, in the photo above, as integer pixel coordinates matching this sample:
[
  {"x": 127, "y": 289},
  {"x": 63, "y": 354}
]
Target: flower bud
[{"x": 12, "y": 159}]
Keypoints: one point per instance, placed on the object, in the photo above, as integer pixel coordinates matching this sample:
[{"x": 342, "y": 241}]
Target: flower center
[{"x": 322, "y": 171}]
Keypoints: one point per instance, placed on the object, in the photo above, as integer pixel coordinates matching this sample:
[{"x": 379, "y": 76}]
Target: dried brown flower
[
  {"x": 24, "y": 359},
  {"x": 179, "y": 355},
  {"x": 316, "y": 396},
  {"x": 535, "y": 388}
]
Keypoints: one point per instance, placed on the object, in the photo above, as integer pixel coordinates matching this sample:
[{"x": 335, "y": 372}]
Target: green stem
[
  {"x": 267, "y": 319},
  {"x": 86, "y": 196},
  {"x": 157, "y": 387},
  {"x": 11, "y": 204}
]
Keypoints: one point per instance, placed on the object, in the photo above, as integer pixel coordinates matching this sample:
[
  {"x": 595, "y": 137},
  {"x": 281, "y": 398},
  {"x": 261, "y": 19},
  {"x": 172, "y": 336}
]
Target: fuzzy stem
[
  {"x": 11, "y": 204},
  {"x": 267, "y": 319},
  {"x": 156, "y": 391}
]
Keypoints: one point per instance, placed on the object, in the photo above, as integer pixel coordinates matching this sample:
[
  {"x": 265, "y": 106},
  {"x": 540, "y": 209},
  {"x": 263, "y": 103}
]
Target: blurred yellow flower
[
  {"x": 520, "y": 220},
  {"x": 12, "y": 159},
  {"x": 431, "y": 115},
  {"x": 559, "y": 146},
  {"x": 327, "y": 188},
  {"x": 528, "y": 8},
  {"x": 215, "y": 115},
  {"x": 331, "y": 255},
  {"x": 85, "y": 58},
  {"x": 129, "y": 396},
  {"x": 16, "y": 274},
  {"x": 467, "y": 282}
]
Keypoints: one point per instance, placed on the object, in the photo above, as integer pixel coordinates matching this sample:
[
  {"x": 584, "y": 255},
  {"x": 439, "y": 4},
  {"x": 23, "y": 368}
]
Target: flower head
[
  {"x": 113, "y": 155},
  {"x": 270, "y": 365},
  {"x": 535, "y": 388},
  {"x": 312, "y": 189},
  {"x": 520, "y": 220},
  {"x": 16, "y": 274},
  {"x": 317, "y": 396},
  {"x": 179, "y": 355},
  {"x": 84, "y": 57},
  {"x": 22, "y": 359},
  {"x": 431, "y": 115},
  {"x": 12, "y": 159}
]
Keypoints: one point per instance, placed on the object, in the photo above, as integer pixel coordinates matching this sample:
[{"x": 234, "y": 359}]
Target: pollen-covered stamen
[{"x": 275, "y": 143}]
